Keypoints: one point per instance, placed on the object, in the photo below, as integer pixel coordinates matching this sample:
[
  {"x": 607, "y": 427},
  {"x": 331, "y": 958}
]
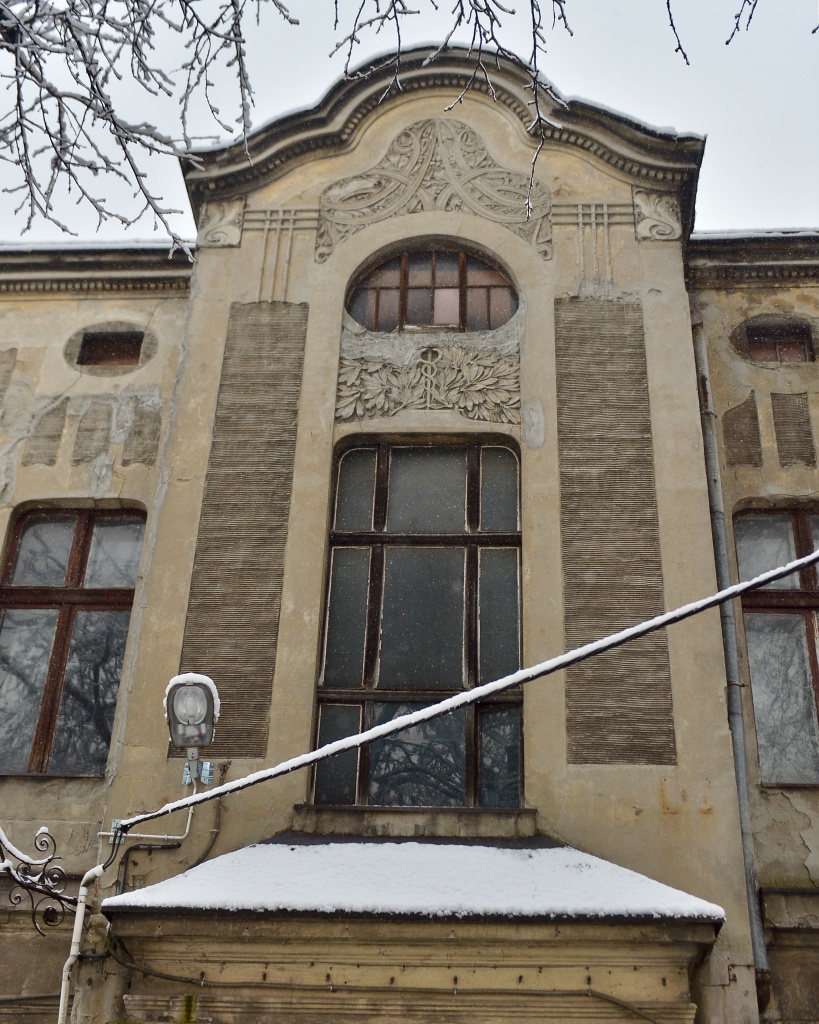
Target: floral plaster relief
[
  {"x": 476, "y": 374},
  {"x": 436, "y": 165}
]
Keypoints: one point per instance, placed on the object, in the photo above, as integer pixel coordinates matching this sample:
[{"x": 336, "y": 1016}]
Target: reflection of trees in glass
[
  {"x": 424, "y": 599},
  {"x": 114, "y": 556},
  {"x": 42, "y": 555},
  {"x": 89, "y": 700},
  {"x": 25, "y": 646},
  {"x": 63, "y": 638},
  {"x": 784, "y": 705},
  {"x": 424, "y": 765},
  {"x": 500, "y": 757}
]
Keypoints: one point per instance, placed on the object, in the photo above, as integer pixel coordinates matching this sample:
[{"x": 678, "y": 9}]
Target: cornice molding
[
  {"x": 669, "y": 161},
  {"x": 717, "y": 276},
  {"x": 753, "y": 259},
  {"x": 34, "y": 272}
]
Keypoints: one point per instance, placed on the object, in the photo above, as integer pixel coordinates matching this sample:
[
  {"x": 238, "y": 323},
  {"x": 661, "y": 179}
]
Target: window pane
[
  {"x": 792, "y": 352},
  {"x": 362, "y": 307},
  {"x": 501, "y": 306},
  {"x": 477, "y": 310},
  {"x": 427, "y": 491},
  {"x": 446, "y": 270},
  {"x": 419, "y": 306},
  {"x": 387, "y": 274},
  {"x": 347, "y": 617},
  {"x": 45, "y": 545},
  {"x": 26, "y": 638},
  {"x": 83, "y": 732},
  {"x": 762, "y": 351},
  {"x": 388, "y": 309},
  {"x": 336, "y": 777},
  {"x": 499, "y": 779},
  {"x": 784, "y": 705},
  {"x": 478, "y": 272},
  {"x": 422, "y": 624},
  {"x": 419, "y": 266},
  {"x": 447, "y": 306},
  {"x": 499, "y": 625},
  {"x": 499, "y": 490},
  {"x": 814, "y": 529},
  {"x": 114, "y": 556},
  {"x": 422, "y": 766},
  {"x": 763, "y": 543},
  {"x": 356, "y": 486}
]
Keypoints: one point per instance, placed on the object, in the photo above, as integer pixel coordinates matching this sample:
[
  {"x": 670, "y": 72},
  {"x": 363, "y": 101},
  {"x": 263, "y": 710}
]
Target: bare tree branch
[{"x": 66, "y": 64}]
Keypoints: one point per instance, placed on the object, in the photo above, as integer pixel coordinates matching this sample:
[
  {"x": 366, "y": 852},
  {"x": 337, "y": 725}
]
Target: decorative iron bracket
[{"x": 38, "y": 879}]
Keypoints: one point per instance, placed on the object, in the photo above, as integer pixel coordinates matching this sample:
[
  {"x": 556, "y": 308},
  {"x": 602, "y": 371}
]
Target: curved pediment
[{"x": 646, "y": 155}]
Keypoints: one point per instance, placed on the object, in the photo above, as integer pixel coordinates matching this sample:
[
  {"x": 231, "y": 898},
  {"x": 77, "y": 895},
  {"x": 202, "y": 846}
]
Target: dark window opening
[
  {"x": 781, "y": 622},
  {"x": 424, "y": 601},
  {"x": 779, "y": 343},
  {"x": 439, "y": 289},
  {"x": 65, "y": 604},
  {"x": 110, "y": 348}
]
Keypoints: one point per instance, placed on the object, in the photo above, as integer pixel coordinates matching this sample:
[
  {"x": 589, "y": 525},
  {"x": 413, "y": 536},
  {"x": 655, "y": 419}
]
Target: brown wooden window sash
[
  {"x": 66, "y": 601},
  {"x": 377, "y": 541}
]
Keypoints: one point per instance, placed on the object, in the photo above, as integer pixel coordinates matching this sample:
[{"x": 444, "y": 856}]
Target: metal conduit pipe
[{"x": 736, "y": 719}]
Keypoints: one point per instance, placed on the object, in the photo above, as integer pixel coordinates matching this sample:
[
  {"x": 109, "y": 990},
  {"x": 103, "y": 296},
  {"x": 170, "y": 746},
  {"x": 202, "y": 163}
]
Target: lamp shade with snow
[{"x": 192, "y": 709}]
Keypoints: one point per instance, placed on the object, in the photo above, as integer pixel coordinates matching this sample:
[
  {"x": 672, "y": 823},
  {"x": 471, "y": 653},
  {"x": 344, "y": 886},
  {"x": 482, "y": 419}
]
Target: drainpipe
[
  {"x": 736, "y": 719},
  {"x": 73, "y": 956}
]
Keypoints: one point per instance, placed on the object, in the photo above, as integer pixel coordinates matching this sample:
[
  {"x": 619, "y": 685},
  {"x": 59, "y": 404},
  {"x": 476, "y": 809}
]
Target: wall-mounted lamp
[{"x": 192, "y": 709}]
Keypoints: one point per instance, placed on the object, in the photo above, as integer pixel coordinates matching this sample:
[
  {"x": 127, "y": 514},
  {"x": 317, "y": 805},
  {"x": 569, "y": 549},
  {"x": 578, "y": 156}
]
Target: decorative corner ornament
[
  {"x": 656, "y": 216},
  {"x": 436, "y": 165},
  {"x": 38, "y": 879},
  {"x": 221, "y": 224}
]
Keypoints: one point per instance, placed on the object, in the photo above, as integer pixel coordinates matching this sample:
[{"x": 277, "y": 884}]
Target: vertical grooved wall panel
[
  {"x": 740, "y": 434},
  {"x": 794, "y": 437},
  {"x": 93, "y": 433},
  {"x": 233, "y": 611},
  {"x": 43, "y": 443},
  {"x": 618, "y": 705}
]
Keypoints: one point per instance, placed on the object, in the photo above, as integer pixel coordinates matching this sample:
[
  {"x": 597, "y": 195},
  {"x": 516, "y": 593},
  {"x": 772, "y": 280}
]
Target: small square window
[
  {"x": 779, "y": 343},
  {"x": 110, "y": 348}
]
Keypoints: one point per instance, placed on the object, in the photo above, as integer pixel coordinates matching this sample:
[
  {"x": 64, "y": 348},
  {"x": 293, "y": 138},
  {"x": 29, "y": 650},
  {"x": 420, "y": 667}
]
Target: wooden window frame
[
  {"x": 66, "y": 600},
  {"x": 404, "y": 287},
  {"x": 803, "y": 599},
  {"x": 377, "y": 541},
  {"x": 777, "y": 335}
]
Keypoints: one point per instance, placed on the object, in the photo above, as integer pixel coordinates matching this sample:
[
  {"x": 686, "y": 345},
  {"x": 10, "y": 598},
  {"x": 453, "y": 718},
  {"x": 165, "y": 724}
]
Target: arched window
[{"x": 437, "y": 288}]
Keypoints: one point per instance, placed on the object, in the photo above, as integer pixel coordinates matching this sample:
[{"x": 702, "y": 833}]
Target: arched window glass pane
[{"x": 437, "y": 288}]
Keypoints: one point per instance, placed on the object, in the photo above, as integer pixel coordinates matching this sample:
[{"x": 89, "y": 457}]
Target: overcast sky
[{"x": 757, "y": 100}]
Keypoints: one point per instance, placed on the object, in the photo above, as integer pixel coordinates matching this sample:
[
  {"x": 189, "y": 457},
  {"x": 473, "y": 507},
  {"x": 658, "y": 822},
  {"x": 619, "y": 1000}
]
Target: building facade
[{"x": 390, "y": 437}]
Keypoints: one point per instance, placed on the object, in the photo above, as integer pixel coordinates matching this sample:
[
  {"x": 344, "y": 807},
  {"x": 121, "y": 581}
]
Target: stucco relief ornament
[
  {"x": 480, "y": 384},
  {"x": 435, "y": 165},
  {"x": 656, "y": 216},
  {"x": 221, "y": 224}
]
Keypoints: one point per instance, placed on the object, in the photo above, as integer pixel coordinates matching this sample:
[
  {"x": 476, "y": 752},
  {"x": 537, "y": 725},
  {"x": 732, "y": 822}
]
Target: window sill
[{"x": 460, "y": 822}]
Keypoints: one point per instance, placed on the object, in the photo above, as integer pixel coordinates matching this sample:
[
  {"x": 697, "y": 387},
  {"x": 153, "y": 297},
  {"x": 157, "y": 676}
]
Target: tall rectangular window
[
  {"x": 66, "y": 592},
  {"x": 780, "y": 633},
  {"x": 423, "y": 601}
]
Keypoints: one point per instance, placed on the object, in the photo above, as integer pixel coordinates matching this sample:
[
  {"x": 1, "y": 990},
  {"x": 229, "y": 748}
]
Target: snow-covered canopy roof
[{"x": 419, "y": 879}]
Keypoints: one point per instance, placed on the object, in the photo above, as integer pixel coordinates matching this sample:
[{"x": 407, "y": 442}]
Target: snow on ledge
[{"x": 424, "y": 879}]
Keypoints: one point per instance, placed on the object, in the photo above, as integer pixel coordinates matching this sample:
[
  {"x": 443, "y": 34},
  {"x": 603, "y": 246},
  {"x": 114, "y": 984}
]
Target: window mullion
[
  {"x": 52, "y": 692},
  {"x": 79, "y": 549},
  {"x": 374, "y": 596},
  {"x": 471, "y": 617},
  {"x": 803, "y": 536},
  {"x": 363, "y": 780},
  {"x": 471, "y": 767}
]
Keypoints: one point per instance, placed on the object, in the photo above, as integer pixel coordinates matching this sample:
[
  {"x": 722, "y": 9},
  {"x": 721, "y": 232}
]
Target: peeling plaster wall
[{"x": 768, "y": 422}]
